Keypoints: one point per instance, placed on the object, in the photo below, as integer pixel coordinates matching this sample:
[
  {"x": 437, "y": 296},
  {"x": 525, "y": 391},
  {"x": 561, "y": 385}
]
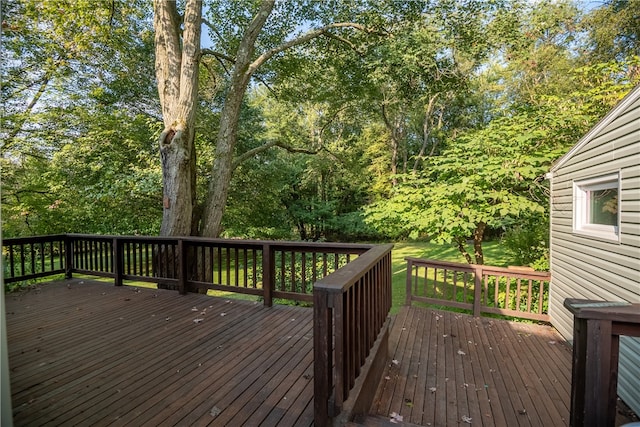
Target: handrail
[
  {"x": 350, "y": 310},
  {"x": 479, "y": 288},
  {"x": 29, "y": 258},
  {"x": 270, "y": 269}
]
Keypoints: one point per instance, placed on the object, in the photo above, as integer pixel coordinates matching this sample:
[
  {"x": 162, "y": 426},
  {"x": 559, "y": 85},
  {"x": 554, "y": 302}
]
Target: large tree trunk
[
  {"x": 228, "y": 132},
  {"x": 177, "y": 75}
]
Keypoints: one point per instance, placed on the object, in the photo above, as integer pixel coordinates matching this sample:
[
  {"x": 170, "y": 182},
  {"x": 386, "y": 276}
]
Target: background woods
[{"x": 312, "y": 120}]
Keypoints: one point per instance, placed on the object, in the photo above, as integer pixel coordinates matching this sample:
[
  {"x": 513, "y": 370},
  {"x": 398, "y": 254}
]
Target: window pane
[{"x": 603, "y": 206}]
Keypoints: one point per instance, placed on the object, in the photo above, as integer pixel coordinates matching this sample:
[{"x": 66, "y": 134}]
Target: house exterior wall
[{"x": 596, "y": 268}]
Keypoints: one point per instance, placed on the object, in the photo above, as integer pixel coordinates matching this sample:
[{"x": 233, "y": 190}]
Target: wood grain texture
[{"x": 88, "y": 353}]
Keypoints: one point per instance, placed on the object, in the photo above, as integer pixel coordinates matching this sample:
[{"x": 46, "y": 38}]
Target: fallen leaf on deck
[
  {"x": 215, "y": 411},
  {"x": 395, "y": 418}
]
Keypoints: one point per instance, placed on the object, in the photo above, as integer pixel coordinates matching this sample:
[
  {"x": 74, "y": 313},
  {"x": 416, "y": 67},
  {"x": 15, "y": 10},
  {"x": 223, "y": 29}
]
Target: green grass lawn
[{"x": 494, "y": 254}]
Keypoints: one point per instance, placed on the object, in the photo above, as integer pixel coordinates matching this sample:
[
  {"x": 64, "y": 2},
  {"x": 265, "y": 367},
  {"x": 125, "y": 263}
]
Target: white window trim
[{"x": 581, "y": 208}]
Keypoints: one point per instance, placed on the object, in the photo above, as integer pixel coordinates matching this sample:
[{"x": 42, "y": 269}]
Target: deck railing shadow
[
  {"x": 349, "y": 285},
  {"x": 479, "y": 289}
]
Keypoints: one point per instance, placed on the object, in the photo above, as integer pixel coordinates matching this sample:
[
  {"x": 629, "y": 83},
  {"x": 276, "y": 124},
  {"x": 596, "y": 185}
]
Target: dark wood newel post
[
  {"x": 597, "y": 327},
  {"x": 68, "y": 257},
  {"x": 268, "y": 274},
  {"x": 182, "y": 269},
  {"x": 409, "y": 279},
  {"x": 322, "y": 353},
  {"x": 477, "y": 289},
  {"x": 118, "y": 261}
]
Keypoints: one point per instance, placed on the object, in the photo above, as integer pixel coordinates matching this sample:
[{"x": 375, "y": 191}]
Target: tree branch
[
  {"x": 301, "y": 40},
  {"x": 211, "y": 27},
  {"x": 27, "y": 112},
  {"x": 264, "y": 147},
  {"x": 217, "y": 55},
  {"x": 222, "y": 57}
]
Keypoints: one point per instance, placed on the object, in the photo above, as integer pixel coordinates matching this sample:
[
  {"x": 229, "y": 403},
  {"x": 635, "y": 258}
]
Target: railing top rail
[
  {"x": 31, "y": 239},
  {"x": 437, "y": 263},
  {"x": 278, "y": 244},
  {"x": 513, "y": 272},
  {"x": 344, "y": 277}
]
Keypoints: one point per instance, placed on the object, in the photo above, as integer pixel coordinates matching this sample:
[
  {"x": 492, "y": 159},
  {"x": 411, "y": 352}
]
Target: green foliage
[
  {"x": 613, "y": 31},
  {"x": 439, "y": 120},
  {"x": 492, "y": 176},
  {"x": 79, "y": 157},
  {"x": 527, "y": 242}
]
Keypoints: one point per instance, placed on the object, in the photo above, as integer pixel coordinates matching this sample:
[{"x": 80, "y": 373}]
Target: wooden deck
[
  {"x": 452, "y": 369},
  {"x": 89, "y": 353}
]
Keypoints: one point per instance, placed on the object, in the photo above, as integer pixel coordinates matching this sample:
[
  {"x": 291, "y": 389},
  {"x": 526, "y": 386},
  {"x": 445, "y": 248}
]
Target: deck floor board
[
  {"x": 83, "y": 352},
  {"x": 483, "y": 371}
]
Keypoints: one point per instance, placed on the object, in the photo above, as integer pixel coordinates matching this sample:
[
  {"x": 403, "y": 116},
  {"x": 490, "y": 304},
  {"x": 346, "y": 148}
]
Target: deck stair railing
[
  {"x": 351, "y": 308},
  {"x": 517, "y": 292}
]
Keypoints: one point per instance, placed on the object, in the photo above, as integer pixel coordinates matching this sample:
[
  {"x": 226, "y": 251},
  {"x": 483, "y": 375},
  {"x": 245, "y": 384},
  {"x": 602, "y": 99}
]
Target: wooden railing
[
  {"x": 479, "y": 288},
  {"x": 29, "y": 258},
  {"x": 351, "y": 313},
  {"x": 269, "y": 269},
  {"x": 349, "y": 285}
]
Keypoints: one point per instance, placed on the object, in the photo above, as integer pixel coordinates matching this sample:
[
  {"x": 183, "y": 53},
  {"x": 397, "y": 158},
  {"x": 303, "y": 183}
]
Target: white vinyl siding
[{"x": 593, "y": 267}]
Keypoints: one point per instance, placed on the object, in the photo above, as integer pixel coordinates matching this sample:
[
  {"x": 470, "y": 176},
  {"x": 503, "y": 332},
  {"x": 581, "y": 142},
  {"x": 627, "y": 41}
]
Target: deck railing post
[
  {"x": 118, "y": 261},
  {"x": 409, "y": 280},
  {"x": 477, "y": 289},
  {"x": 182, "y": 267},
  {"x": 68, "y": 257},
  {"x": 322, "y": 354},
  {"x": 268, "y": 274}
]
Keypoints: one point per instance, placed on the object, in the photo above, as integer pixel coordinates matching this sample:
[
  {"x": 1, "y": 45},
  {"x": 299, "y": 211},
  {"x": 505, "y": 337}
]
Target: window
[{"x": 597, "y": 206}]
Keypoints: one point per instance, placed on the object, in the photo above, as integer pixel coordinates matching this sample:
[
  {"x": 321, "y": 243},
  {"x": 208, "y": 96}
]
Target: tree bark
[
  {"x": 176, "y": 66},
  {"x": 478, "y": 236},
  {"x": 461, "y": 245},
  {"x": 228, "y": 132},
  {"x": 177, "y": 75}
]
